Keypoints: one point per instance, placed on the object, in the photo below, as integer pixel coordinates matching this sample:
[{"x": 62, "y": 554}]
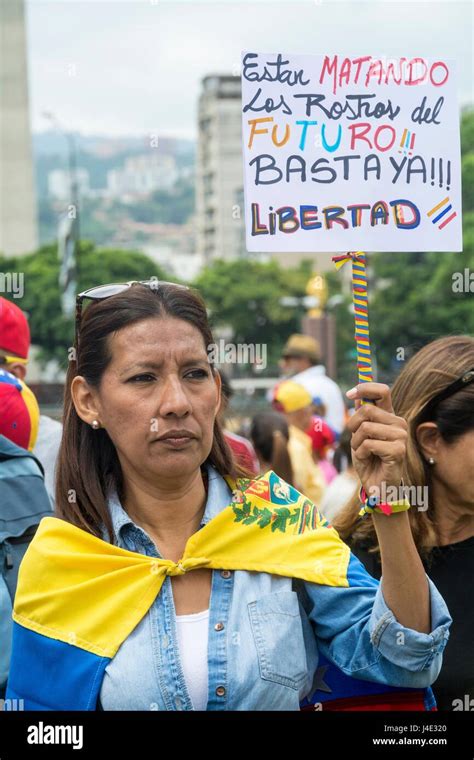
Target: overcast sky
[{"x": 123, "y": 67}]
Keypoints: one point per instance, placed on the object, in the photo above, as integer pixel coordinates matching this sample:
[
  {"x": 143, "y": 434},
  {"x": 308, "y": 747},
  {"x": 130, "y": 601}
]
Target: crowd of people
[
  {"x": 434, "y": 394},
  {"x": 302, "y": 435},
  {"x": 104, "y": 474}
]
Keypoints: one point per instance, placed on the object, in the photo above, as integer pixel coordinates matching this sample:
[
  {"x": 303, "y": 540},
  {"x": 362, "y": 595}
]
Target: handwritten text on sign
[{"x": 350, "y": 153}]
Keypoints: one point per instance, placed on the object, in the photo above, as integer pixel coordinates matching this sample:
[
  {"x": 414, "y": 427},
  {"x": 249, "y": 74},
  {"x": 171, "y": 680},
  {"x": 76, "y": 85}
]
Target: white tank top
[{"x": 193, "y": 631}]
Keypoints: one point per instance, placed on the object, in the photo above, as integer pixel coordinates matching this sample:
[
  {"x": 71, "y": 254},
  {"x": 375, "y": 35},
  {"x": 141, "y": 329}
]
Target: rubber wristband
[{"x": 371, "y": 504}]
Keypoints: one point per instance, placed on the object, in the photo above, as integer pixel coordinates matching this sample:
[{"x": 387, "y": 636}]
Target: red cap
[
  {"x": 322, "y": 436},
  {"x": 19, "y": 412},
  {"x": 14, "y": 330}
]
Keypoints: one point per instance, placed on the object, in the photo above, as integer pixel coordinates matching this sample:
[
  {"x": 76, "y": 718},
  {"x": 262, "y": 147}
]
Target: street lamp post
[
  {"x": 317, "y": 322},
  {"x": 69, "y": 227},
  {"x": 73, "y": 181}
]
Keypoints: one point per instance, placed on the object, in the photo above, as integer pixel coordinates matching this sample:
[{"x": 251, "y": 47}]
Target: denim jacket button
[
  {"x": 219, "y": 627},
  {"x": 220, "y": 691},
  {"x": 226, "y": 573}
]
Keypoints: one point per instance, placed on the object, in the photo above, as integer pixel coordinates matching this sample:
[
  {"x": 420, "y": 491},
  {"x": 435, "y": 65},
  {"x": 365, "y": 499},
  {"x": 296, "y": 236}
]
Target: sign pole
[{"x": 361, "y": 312}]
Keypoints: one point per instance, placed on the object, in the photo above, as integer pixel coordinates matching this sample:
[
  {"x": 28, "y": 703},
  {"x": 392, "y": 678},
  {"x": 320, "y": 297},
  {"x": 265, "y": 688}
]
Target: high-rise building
[
  {"x": 220, "y": 180},
  {"x": 219, "y": 171},
  {"x": 18, "y": 222}
]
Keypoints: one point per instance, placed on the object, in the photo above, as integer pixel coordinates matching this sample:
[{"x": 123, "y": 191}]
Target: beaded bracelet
[{"x": 371, "y": 504}]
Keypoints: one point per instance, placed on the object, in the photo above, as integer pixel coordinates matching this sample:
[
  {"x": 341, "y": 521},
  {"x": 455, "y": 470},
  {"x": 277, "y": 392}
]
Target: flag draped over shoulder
[{"x": 79, "y": 597}]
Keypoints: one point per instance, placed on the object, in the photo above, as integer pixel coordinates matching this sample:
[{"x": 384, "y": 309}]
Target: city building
[
  {"x": 18, "y": 220},
  {"x": 143, "y": 174},
  {"x": 219, "y": 171},
  {"x": 59, "y": 183}
]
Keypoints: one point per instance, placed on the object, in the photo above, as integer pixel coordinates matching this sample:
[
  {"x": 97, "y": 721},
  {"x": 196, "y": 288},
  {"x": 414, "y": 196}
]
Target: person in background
[
  {"x": 242, "y": 449},
  {"x": 270, "y": 436},
  {"x": 435, "y": 394},
  {"x": 14, "y": 348},
  {"x": 345, "y": 484},
  {"x": 322, "y": 440},
  {"x": 295, "y": 403},
  {"x": 23, "y": 497},
  {"x": 301, "y": 360},
  {"x": 19, "y": 411}
]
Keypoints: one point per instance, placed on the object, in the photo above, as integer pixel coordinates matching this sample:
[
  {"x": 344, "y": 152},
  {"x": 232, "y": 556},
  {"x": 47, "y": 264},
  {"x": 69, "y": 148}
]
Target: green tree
[
  {"x": 467, "y": 168},
  {"x": 41, "y": 300},
  {"x": 415, "y": 302},
  {"x": 467, "y": 131},
  {"x": 467, "y": 159},
  {"x": 247, "y": 295}
]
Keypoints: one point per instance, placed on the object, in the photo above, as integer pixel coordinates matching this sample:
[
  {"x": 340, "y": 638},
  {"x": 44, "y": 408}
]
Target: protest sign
[{"x": 350, "y": 153}]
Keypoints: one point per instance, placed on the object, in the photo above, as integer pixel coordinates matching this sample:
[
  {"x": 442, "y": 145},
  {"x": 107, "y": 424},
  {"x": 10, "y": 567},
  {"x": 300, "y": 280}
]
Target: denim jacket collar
[{"x": 219, "y": 496}]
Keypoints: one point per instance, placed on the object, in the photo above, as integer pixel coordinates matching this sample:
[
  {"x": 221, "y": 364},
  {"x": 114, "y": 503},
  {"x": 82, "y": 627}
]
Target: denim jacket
[{"x": 266, "y": 634}]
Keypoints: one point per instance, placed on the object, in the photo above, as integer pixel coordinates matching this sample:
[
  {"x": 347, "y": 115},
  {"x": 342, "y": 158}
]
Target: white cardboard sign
[{"x": 350, "y": 153}]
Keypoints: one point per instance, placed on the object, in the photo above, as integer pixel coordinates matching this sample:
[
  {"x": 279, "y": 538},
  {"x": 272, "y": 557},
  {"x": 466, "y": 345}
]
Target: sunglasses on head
[
  {"x": 466, "y": 379},
  {"x": 101, "y": 292}
]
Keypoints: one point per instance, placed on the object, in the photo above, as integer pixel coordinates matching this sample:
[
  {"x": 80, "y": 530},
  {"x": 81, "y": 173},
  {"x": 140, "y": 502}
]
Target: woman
[
  {"x": 242, "y": 450},
  {"x": 114, "y": 607},
  {"x": 435, "y": 394},
  {"x": 270, "y": 435}
]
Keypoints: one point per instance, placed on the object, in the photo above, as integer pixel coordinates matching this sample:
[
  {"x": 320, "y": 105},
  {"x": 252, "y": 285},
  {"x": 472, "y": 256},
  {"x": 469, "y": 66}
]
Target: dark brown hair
[
  {"x": 88, "y": 466},
  {"x": 429, "y": 372},
  {"x": 343, "y": 453},
  {"x": 269, "y": 434}
]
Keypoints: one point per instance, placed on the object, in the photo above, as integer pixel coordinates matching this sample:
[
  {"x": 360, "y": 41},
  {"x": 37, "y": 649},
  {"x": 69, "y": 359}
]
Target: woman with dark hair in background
[
  {"x": 114, "y": 606},
  {"x": 242, "y": 450},
  {"x": 270, "y": 435},
  {"x": 435, "y": 394}
]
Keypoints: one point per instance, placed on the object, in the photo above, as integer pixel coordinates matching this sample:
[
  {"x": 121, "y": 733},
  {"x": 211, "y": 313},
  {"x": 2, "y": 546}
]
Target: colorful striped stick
[{"x": 360, "y": 300}]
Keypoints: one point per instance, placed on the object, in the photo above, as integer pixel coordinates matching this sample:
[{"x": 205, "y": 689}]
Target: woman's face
[{"x": 157, "y": 399}]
